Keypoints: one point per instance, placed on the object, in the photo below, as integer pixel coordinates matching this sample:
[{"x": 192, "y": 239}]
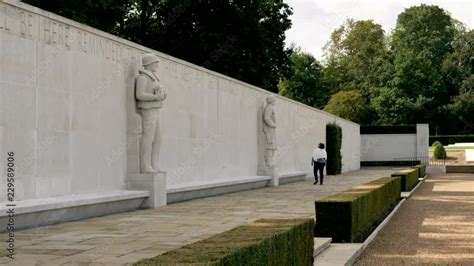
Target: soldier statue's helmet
[
  {"x": 270, "y": 99},
  {"x": 149, "y": 59}
]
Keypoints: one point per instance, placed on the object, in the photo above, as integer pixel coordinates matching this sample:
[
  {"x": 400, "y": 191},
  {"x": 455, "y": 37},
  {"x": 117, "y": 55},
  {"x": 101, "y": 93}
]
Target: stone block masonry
[{"x": 68, "y": 111}]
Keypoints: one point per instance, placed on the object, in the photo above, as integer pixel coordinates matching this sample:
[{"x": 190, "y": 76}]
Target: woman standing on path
[{"x": 319, "y": 161}]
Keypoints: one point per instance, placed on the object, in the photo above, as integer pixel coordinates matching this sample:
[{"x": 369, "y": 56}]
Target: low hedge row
[
  {"x": 409, "y": 178},
  {"x": 264, "y": 242},
  {"x": 451, "y": 139},
  {"x": 439, "y": 152},
  {"x": 421, "y": 170},
  {"x": 350, "y": 216}
]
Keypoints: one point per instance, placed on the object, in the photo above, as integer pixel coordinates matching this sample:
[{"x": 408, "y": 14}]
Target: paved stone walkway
[
  {"x": 435, "y": 226},
  {"x": 128, "y": 237}
]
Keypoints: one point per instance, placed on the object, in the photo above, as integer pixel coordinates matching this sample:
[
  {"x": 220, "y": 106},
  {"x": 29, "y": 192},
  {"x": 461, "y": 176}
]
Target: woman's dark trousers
[{"x": 319, "y": 167}]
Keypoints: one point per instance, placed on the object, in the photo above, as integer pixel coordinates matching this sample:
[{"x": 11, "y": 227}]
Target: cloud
[{"x": 314, "y": 20}]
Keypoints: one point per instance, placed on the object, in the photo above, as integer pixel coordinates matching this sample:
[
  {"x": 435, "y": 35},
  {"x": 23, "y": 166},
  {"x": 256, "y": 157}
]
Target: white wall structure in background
[
  {"x": 69, "y": 113},
  {"x": 422, "y": 140},
  {"x": 469, "y": 155},
  {"x": 387, "y": 147}
]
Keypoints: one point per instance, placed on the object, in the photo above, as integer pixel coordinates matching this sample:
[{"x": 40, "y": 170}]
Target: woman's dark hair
[{"x": 321, "y": 146}]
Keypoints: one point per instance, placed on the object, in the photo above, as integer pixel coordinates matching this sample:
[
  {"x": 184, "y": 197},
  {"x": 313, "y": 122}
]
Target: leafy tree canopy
[
  {"x": 394, "y": 107},
  {"x": 422, "y": 38},
  {"x": 304, "y": 83},
  {"x": 357, "y": 57},
  {"x": 350, "y": 105},
  {"x": 107, "y": 15},
  {"x": 242, "y": 39}
]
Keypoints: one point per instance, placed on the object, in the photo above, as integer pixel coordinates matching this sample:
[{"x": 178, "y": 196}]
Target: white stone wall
[
  {"x": 61, "y": 112},
  {"x": 422, "y": 140},
  {"x": 387, "y": 147},
  {"x": 68, "y": 113}
]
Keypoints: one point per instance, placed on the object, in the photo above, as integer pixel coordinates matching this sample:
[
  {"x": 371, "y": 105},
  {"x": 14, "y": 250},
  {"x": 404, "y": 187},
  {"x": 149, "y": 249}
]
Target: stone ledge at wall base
[
  {"x": 292, "y": 177},
  {"x": 271, "y": 172},
  {"x": 47, "y": 211},
  {"x": 196, "y": 191},
  {"x": 154, "y": 184}
]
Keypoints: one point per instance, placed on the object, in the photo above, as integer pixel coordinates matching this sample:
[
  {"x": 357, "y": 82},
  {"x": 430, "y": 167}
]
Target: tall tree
[
  {"x": 242, "y": 39},
  {"x": 349, "y": 105},
  {"x": 459, "y": 65},
  {"x": 357, "y": 57},
  {"x": 458, "y": 68},
  {"x": 304, "y": 83},
  {"x": 394, "y": 107},
  {"x": 107, "y": 15},
  {"x": 421, "y": 40}
]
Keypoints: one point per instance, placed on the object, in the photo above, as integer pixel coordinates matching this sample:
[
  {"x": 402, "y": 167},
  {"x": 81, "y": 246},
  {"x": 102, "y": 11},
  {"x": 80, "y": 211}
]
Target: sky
[{"x": 314, "y": 20}]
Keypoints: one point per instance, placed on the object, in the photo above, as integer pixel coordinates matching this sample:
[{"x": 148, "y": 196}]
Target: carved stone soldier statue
[
  {"x": 150, "y": 95},
  {"x": 269, "y": 126}
]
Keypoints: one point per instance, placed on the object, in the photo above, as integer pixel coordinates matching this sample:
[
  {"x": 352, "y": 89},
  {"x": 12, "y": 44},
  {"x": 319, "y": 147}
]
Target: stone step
[
  {"x": 321, "y": 244},
  {"x": 339, "y": 254},
  {"x": 460, "y": 169}
]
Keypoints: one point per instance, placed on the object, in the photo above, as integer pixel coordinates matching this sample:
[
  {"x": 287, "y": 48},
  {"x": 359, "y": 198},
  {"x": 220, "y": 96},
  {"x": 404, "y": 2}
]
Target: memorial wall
[
  {"x": 68, "y": 112},
  {"x": 384, "y": 147}
]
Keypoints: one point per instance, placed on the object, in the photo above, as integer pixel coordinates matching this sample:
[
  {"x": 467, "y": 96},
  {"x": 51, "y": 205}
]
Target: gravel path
[
  {"x": 434, "y": 226},
  {"x": 455, "y": 157}
]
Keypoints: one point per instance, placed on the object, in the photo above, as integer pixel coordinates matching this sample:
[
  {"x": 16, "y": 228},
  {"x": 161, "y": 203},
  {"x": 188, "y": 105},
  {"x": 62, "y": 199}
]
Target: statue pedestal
[
  {"x": 155, "y": 183},
  {"x": 269, "y": 171}
]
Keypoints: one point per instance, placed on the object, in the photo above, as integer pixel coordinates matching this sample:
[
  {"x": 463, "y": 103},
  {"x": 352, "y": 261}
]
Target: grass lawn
[{"x": 457, "y": 148}]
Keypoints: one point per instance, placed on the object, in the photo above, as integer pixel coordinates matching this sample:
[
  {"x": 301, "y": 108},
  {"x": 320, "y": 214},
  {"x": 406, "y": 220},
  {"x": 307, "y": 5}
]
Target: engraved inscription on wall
[
  {"x": 72, "y": 37},
  {"x": 49, "y": 31},
  {"x": 5, "y": 17}
]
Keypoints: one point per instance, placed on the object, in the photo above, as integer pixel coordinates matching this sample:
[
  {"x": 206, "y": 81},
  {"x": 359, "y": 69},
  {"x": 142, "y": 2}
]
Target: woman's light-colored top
[{"x": 319, "y": 153}]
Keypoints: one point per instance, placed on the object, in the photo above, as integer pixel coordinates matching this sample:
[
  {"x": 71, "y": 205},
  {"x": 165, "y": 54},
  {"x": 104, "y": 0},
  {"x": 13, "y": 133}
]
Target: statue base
[
  {"x": 155, "y": 183},
  {"x": 269, "y": 171}
]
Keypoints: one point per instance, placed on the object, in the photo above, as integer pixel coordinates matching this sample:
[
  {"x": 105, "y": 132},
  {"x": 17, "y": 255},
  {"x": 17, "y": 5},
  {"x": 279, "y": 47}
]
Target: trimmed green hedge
[
  {"x": 333, "y": 149},
  {"x": 421, "y": 170},
  {"x": 451, "y": 139},
  {"x": 388, "y": 130},
  {"x": 409, "y": 178},
  {"x": 350, "y": 216},
  {"x": 436, "y": 143},
  {"x": 264, "y": 242},
  {"x": 389, "y": 163},
  {"x": 439, "y": 152}
]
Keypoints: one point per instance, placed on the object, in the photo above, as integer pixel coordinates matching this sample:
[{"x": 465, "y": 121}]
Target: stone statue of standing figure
[
  {"x": 150, "y": 95},
  {"x": 269, "y": 126}
]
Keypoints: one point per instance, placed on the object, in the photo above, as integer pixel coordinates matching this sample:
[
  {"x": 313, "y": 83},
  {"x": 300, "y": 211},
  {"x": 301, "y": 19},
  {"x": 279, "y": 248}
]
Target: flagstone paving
[{"x": 128, "y": 237}]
